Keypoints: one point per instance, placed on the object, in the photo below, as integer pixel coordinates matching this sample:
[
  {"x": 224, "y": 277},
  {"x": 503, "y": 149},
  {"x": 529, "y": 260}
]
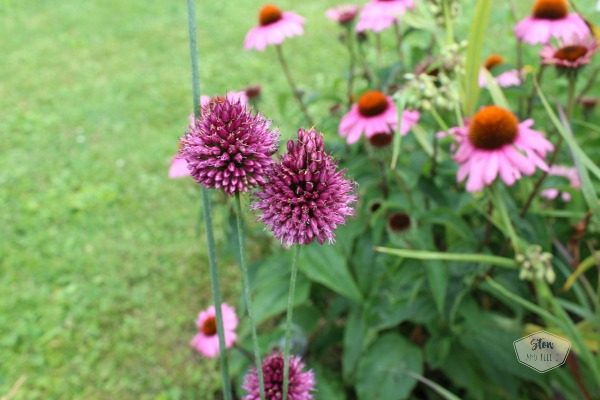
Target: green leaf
[
  {"x": 328, "y": 384},
  {"x": 433, "y": 255},
  {"x": 325, "y": 264},
  {"x": 495, "y": 91},
  {"x": 479, "y": 24},
  {"x": 383, "y": 371},
  {"x": 271, "y": 286},
  {"x": 400, "y": 104},
  {"x": 354, "y": 342}
]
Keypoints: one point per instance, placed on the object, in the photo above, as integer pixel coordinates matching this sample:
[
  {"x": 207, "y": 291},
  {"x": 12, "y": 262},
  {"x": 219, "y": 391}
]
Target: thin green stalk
[
  {"x": 206, "y": 207},
  {"x": 571, "y": 95},
  {"x": 505, "y": 217},
  {"x": 246, "y": 290},
  {"x": 288, "y": 322},
  {"x": 352, "y": 62},
  {"x": 398, "y": 33},
  {"x": 293, "y": 86},
  {"x": 537, "y": 81},
  {"x": 448, "y": 23}
]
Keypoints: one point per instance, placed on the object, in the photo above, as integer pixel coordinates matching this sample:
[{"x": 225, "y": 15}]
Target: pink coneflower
[
  {"x": 274, "y": 26},
  {"x": 378, "y": 15},
  {"x": 343, "y": 14},
  {"x": 206, "y": 340},
  {"x": 229, "y": 147},
  {"x": 550, "y": 18},
  {"x": 301, "y": 383},
  {"x": 505, "y": 79},
  {"x": 572, "y": 55},
  {"x": 374, "y": 113},
  {"x": 494, "y": 143},
  {"x": 306, "y": 197}
]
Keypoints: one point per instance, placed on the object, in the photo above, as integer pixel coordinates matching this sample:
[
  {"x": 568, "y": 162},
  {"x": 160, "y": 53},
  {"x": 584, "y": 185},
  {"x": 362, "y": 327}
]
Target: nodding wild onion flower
[
  {"x": 550, "y": 19},
  {"x": 306, "y": 196},
  {"x": 378, "y": 15},
  {"x": 374, "y": 113},
  {"x": 504, "y": 79},
  {"x": 301, "y": 383},
  {"x": 274, "y": 26},
  {"x": 572, "y": 55},
  {"x": 229, "y": 147},
  {"x": 494, "y": 143},
  {"x": 206, "y": 341}
]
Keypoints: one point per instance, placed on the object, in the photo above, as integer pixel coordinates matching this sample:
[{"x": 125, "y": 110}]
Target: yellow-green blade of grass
[{"x": 473, "y": 61}]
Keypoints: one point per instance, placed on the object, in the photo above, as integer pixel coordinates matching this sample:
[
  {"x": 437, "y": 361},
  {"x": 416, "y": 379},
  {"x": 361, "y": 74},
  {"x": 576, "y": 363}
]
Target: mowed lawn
[{"x": 101, "y": 268}]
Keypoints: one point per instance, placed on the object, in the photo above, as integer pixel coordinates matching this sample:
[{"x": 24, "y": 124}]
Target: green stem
[
  {"x": 398, "y": 33},
  {"x": 293, "y": 86},
  {"x": 352, "y": 61},
  {"x": 246, "y": 290},
  {"x": 288, "y": 323},
  {"x": 206, "y": 207},
  {"x": 448, "y": 23},
  {"x": 571, "y": 95},
  {"x": 505, "y": 217}
]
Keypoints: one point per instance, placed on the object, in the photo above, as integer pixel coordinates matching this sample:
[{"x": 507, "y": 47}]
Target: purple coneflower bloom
[
  {"x": 306, "y": 197},
  {"x": 550, "y": 18},
  {"x": 206, "y": 341},
  {"x": 378, "y": 15},
  {"x": 301, "y": 383},
  {"x": 494, "y": 143},
  {"x": 343, "y": 14},
  {"x": 572, "y": 55},
  {"x": 274, "y": 26},
  {"x": 229, "y": 147}
]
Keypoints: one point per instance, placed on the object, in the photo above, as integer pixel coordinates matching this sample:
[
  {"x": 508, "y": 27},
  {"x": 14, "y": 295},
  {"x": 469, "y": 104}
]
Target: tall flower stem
[
  {"x": 352, "y": 61},
  {"x": 538, "y": 184},
  {"x": 206, "y": 207},
  {"x": 293, "y": 86},
  {"x": 519, "y": 47},
  {"x": 246, "y": 290},
  {"x": 538, "y": 80},
  {"x": 398, "y": 33},
  {"x": 288, "y": 323}
]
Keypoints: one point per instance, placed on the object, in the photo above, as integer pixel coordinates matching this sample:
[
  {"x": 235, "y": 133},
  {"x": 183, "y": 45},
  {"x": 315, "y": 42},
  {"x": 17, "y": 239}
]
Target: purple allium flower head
[
  {"x": 306, "y": 196},
  {"x": 301, "y": 383},
  {"x": 229, "y": 147}
]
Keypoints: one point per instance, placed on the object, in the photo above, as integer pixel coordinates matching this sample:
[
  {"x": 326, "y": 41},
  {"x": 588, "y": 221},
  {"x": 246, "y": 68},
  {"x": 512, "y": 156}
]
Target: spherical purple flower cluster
[
  {"x": 229, "y": 147},
  {"x": 301, "y": 383},
  {"x": 306, "y": 196}
]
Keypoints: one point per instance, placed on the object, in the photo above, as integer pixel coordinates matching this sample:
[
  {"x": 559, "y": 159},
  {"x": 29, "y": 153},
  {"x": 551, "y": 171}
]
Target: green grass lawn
[{"x": 101, "y": 270}]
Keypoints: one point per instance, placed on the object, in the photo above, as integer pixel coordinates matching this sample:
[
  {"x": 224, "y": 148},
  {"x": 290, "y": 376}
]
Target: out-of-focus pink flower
[
  {"x": 343, "y": 14},
  {"x": 206, "y": 341},
  {"x": 375, "y": 113},
  {"x": 572, "y": 55},
  {"x": 494, "y": 143},
  {"x": 552, "y": 194},
  {"x": 378, "y": 15},
  {"x": 505, "y": 79},
  {"x": 178, "y": 168},
  {"x": 550, "y": 18},
  {"x": 274, "y": 26},
  {"x": 569, "y": 173}
]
